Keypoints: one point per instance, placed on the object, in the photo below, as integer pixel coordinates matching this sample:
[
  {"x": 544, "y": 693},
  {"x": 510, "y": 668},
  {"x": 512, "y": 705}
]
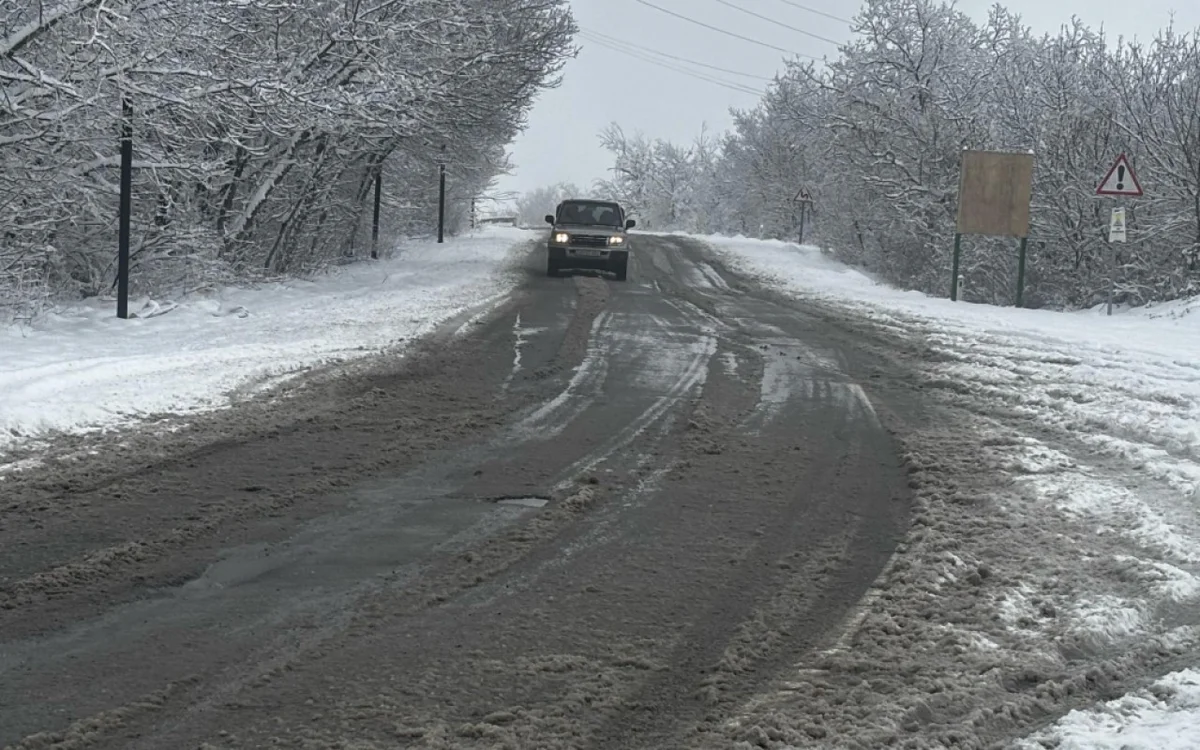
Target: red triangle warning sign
[{"x": 1120, "y": 180}]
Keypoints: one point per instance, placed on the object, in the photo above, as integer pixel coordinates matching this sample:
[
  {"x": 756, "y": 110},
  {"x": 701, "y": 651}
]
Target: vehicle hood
[{"x": 589, "y": 229}]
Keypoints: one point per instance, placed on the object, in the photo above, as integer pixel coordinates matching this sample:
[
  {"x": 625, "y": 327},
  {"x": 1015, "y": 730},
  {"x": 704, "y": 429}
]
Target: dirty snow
[
  {"x": 80, "y": 368},
  {"x": 1091, "y": 539},
  {"x": 1165, "y": 716}
]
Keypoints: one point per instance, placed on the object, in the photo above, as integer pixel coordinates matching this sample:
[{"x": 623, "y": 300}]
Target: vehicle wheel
[
  {"x": 552, "y": 269},
  {"x": 621, "y": 269}
]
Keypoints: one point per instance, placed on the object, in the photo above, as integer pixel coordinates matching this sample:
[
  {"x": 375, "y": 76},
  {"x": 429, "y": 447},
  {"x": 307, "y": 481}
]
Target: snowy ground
[
  {"x": 1167, "y": 715},
  {"x": 1095, "y": 423},
  {"x": 80, "y": 368}
]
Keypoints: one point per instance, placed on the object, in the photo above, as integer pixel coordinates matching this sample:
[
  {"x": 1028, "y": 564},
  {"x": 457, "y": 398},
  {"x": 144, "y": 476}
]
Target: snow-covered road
[
  {"x": 80, "y": 368},
  {"x": 1093, "y": 425},
  {"x": 1054, "y": 562}
]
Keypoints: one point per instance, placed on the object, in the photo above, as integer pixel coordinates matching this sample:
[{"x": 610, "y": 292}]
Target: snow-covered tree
[
  {"x": 664, "y": 184},
  {"x": 534, "y": 206},
  {"x": 876, "y": 138},
  {"x": 259, "y": 126},
  {"x": 633, "y": 172}
]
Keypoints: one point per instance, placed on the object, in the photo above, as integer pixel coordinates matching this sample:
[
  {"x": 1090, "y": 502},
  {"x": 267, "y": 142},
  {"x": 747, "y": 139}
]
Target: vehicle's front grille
[{"x": 589, "y": 240}]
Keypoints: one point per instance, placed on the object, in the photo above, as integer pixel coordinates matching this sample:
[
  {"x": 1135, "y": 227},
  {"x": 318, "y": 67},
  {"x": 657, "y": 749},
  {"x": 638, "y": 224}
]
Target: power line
[
  {"x": 682, "y": 69},
  {"x": 733, "y": 85},
  {"x": 816, "y": 12},
  {"x": 646, "y": 57},
  {"x": 727, "y": 33},
  {"x": 649, "y": 50},
  {"x": 749, "y": 12},
  {"x": 652, "y": 51}
]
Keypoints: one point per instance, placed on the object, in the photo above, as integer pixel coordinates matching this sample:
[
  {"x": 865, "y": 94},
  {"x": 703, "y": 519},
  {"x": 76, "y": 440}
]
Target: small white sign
[
  {"x": 1116, "y": 226},
  {"x": 1120, "y": 180}
]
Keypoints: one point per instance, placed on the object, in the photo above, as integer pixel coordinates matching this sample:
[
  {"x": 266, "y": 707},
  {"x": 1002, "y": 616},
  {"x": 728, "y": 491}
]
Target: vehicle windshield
[{"x": 599, "y": 214}]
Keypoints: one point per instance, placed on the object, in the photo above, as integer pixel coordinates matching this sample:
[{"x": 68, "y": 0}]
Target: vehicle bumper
[{"x": 572, "y": 257}]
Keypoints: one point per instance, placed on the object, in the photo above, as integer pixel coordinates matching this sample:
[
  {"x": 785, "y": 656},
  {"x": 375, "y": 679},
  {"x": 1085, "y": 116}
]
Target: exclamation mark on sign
[{"x": 1120, "y": 177}]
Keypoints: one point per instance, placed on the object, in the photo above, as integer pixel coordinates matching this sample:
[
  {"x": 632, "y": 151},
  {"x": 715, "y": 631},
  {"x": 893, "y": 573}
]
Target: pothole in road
[{"x": 531, "y": 501}]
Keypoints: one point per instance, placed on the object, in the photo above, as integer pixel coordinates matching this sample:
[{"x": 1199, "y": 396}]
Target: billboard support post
[{"x": 954, "y": 277}]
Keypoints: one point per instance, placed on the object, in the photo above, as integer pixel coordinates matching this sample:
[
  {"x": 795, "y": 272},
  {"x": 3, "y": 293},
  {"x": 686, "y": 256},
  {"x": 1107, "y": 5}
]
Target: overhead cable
[
  {"x": 650, "y": 50},
  {"x": 723, "y": 31},
  {"x": 733, "y": 85},
  {"x": 777, "y": 22}
]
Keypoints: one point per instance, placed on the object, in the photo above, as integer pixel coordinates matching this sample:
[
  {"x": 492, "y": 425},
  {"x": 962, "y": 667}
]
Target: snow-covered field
[
  {"x": 1095, "y": 421},
  {"x": 80, "y": 368}
]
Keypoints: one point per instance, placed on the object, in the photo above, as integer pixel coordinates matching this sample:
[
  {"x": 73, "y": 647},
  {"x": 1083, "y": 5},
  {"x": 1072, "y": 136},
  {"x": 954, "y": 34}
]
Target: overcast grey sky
[{"x": 602, "y": 85}]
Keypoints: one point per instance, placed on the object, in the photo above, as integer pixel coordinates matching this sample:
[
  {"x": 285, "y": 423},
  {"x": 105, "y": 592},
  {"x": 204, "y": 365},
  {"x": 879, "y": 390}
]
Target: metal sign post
[
  {"x": 442, "y": 195},
  {"x": 1121, "y": 181},
  {"x": 375, "y": 219},
  {"x": 1116, "y": 233},
  {"x": 125, "y": 207},
  {"x": 804, "y": 198}
]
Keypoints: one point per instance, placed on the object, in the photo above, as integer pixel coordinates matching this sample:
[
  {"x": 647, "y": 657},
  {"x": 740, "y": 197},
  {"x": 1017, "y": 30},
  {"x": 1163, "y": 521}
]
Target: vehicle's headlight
[
  {"x": 561, "y": 238},
  {"x": 616, "y": 240}
]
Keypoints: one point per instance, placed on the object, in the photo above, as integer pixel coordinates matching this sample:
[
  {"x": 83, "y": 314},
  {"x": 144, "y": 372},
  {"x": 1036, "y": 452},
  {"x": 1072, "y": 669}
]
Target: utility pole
[
  {"x": 442, "y": 196},
  {"x": 125, "y": 208},
  {"x": 375, "y": 222}
]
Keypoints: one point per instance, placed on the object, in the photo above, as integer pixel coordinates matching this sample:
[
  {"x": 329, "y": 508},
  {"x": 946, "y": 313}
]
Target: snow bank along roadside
[
  {"x": 81, "y": 369},
  {"x": 1166, "y": 716},
  {"x": 1055, "y": 557}
]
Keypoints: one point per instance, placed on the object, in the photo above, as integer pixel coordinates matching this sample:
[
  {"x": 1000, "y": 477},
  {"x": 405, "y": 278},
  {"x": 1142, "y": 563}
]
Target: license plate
[{"x": 588, "y": 253}]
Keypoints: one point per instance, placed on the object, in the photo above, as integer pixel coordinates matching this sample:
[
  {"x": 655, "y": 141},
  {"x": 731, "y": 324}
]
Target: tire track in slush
[
  {"x": 671, "y": 358},
  {"x": 794, "y": 371},
  {"x": 585, "y": 385}
]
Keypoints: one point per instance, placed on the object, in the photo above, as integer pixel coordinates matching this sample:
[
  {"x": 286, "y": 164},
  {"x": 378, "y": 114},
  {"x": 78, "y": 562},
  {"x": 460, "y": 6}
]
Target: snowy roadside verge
[
  {"x": 80, "y": 369},
  {"x": 1054, "y": 561},
  {"x": 1166, "y": 715}
]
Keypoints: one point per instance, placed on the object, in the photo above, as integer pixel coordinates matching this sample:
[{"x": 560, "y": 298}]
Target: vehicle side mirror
[
  {"x": 630, "y": 223},
  {"x": 549, "y": 219}
]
